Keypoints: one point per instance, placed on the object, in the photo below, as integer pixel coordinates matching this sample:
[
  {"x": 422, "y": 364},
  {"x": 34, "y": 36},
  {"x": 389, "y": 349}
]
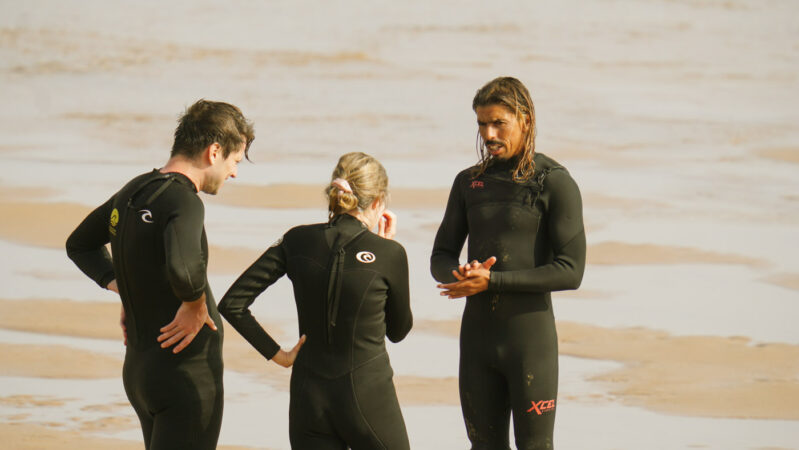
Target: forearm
[
  {"x": 442, "y": 264},
  {"x": 565, "y": 272},
  {"x": 252, "y": 331},
  {"x": 235, "y": 304},
  {"x": 86, "y": 246},
  {"x": 235, "y": 308}
]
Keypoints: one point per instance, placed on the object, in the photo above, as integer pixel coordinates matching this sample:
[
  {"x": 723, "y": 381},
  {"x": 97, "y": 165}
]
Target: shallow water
[{"x": 677, "y": 118}]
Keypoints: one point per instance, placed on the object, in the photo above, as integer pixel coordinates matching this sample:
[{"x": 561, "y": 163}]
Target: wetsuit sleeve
[
  {"x": 399, "y": 318},
  {"x": 450, "y": 237},
  {"x": 86, "y": 245},
  {"x": 183, "y": 249},
  {"x": 565, "y": 224},
  {"x": 235, "y": 305}
]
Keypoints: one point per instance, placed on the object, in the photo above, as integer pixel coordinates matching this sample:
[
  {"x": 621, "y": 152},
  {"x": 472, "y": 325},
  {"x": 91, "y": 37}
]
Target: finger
[
  {"x": 489, "y": 262},
  {"x": 169, "y": 327},
  {"x": 381, "y": 227},
  {"x": 391, "y": 223},
  {"x": 166, "y": 335},
  {"x": 174, "y": 339},
  {"x": 210, "y": 322},
  {"x": 184, "y": 343},
  {"x": 457, "y": 276}
]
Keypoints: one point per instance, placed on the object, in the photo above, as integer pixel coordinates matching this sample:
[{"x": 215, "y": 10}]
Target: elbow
[
  {"x": 397, "y": 334},
  {"x": 227, "y": 309},
  {"x": 72, "y": 247},
  {"x": 575, "y": 279}
]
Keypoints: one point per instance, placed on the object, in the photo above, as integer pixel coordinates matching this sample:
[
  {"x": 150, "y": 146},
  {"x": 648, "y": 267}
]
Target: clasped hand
[{"x": 472, "y": 278}]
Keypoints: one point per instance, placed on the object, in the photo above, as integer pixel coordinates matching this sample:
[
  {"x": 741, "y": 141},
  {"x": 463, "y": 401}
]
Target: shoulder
[
  {"x": 464, "y": 177},
  {"x": 386, "y": 248},
  {"x": 303, "y": 231},
  {"x": 183, "y": 197},
  {"x": 467, "y": 173},
  {"x": 555, "y": 171},
  {"x": 544, "y": 162},
  {"x": 303, "y": 236}
]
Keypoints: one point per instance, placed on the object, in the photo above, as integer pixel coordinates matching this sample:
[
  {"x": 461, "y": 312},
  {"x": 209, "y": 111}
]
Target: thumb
[
  {"x": 489, "y": 262},
  {"x": 210, "y": 322},
  {"x": 297, "y": 347}
]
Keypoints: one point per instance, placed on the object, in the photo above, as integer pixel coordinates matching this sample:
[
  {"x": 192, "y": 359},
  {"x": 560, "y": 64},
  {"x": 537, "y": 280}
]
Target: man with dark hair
[
  {"x": 155, "y": 225},
  {"x": 522, "y": 213}
]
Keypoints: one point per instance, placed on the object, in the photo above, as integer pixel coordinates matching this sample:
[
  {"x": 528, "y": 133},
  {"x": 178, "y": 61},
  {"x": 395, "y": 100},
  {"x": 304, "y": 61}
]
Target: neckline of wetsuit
[
  {"x": 349, "y": 228},
  {"x": 157, "y": 176}
]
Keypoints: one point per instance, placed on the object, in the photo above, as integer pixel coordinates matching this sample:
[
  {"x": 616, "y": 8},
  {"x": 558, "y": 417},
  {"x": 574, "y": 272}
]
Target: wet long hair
[{"x": 511, "y": 93}]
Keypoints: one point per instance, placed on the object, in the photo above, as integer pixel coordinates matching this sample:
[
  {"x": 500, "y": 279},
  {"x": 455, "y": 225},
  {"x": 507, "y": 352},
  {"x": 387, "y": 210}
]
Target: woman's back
[{"x": 351, "y": 289}]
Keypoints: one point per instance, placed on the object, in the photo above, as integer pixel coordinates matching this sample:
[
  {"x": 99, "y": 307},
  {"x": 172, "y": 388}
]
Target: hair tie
[{"x": 342, "y": 185}]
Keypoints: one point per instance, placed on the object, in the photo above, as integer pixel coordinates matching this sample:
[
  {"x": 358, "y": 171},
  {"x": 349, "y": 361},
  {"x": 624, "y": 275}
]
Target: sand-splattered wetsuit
[
  {"x": 155, "y": 227},
  {"x": 351, "y": 291},
  {"x": 508, "y": 343}
]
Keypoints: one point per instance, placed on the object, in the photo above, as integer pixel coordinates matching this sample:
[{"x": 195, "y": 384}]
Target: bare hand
[
  {"x": 286, "y": 359},
  {"x": 387, "y": 225},
  {"x": 473, "y": 278},
  {"x": 112, "y": 286},
  {"x": 122, "y": 324},
  {"x": 189, "y": 320}
]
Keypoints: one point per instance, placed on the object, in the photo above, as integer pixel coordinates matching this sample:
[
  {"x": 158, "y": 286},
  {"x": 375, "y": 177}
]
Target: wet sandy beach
[{"x": 677, "y": 118}]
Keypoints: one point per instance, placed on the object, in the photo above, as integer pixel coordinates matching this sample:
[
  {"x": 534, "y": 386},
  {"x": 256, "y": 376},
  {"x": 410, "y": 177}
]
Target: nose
[{"x": 490, "y": 133}]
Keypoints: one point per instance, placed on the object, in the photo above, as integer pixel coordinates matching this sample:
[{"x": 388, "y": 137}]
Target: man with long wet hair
[{"x": 522, "y": 214}]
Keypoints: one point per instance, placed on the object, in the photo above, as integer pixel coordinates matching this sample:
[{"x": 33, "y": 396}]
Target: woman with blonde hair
[{"x": 351, "y": 291}]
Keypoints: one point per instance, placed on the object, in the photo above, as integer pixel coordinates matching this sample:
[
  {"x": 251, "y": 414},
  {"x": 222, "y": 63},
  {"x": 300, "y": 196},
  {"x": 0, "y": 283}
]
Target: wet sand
[
  {"x": 21, "y": 436},
  {"x": 615, "y": 253},
  {"x": 683, "y": 375},
  {"x": 686, "y": 375},
  {"x": 686, "y": 159}
]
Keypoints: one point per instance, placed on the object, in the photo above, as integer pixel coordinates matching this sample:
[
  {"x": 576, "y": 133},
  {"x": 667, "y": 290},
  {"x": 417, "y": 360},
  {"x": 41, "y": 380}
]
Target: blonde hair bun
[{"x": 363, "y": 175}]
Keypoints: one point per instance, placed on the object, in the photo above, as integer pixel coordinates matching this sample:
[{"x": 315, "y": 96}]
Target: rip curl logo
[
  {"x": 113, "y": 221},
  {"x": 542, "y": 406},
  {"x": 146, "y": 215},
  {"x": 365, "y": 257},
  {"x": 477, "y": 184}
]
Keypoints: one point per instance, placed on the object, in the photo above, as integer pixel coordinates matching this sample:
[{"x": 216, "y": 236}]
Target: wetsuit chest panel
[{"x": 503, "y": 221}]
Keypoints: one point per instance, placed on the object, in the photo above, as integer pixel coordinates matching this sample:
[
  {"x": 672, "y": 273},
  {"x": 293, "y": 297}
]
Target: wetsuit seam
[
  {"x": 355, "y": 321},
  {"x": 576, "y": 235},
  {"x": 185, "y": 267},
  {"x": 360, "y": 411}
]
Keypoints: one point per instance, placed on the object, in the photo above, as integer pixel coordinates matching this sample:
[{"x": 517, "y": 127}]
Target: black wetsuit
[
  {"x": 351, "y": 290},
  {"x": 160, "y": 253},
  {"x": 509, "y": 348}
]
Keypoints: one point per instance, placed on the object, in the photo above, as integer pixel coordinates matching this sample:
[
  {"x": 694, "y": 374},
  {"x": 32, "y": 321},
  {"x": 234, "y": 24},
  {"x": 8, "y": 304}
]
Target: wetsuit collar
[
  {"x": 346, "y": 222},
  {"x": 181, "y": 178}
]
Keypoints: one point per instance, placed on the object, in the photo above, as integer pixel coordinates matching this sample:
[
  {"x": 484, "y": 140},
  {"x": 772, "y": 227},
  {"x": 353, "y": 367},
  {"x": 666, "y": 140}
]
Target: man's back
[{"x": 160, "y": 253}]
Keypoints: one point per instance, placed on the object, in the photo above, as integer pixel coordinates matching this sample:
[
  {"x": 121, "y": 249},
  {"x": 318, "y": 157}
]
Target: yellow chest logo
[{"x": 113, "y": 221}]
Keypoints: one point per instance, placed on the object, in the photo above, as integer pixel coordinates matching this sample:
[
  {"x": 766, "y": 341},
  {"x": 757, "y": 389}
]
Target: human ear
[
  {"x": 213, "y": 152},
  {"x": 525, "y": 122}
]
